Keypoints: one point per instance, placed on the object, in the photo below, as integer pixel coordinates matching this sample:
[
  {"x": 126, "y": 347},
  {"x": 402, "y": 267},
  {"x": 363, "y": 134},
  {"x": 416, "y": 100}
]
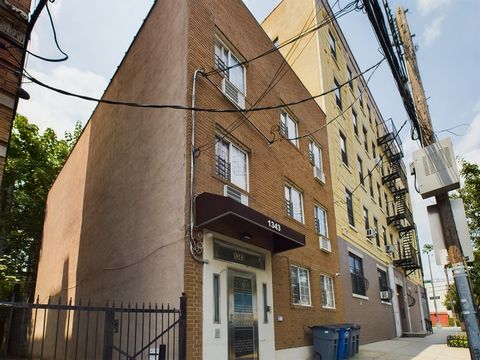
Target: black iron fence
[{"x": 74, "y": 331}]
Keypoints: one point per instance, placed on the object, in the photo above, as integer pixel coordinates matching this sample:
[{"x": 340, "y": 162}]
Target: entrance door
[
  {"x": 401, "y": 305},
  {"x": 242, "y": 315}
]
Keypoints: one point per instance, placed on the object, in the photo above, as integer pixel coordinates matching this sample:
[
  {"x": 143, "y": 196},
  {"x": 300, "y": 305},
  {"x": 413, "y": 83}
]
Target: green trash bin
[{"x": 325, "y": 342}]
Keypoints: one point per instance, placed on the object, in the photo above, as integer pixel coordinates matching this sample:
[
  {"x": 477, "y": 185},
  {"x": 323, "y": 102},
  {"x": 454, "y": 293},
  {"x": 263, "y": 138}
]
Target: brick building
[
  {"x": 13, "y": 28},
  {"x": 378, "y": 248},
  {"x": 262, "y": 263}
]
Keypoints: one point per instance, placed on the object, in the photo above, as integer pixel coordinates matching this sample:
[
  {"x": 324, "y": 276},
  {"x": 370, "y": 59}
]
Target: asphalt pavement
[{"x": 431, "y": 347}]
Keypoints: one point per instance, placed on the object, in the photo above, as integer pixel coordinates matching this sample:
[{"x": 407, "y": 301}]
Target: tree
[
  {"x": 34, "y": 161},
  {"x": 470, "y": 194}
]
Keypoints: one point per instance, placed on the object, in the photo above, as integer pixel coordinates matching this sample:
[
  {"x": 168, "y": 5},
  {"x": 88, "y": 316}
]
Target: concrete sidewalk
[{"x": 431, "y": 347}]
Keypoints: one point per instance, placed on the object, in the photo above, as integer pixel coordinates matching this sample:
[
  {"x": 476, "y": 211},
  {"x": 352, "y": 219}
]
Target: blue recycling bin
[
  {"x": 325, "y": 342},
  {"x": 354, "y": 339},
  {"x": 343, "y": 341}
]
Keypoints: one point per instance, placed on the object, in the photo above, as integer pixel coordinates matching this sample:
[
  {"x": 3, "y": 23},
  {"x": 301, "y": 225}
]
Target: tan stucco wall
[{"x": 118, "y": 204}]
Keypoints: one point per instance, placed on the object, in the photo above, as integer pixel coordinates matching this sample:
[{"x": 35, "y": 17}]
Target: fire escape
[{"x": 399, "y": 215}]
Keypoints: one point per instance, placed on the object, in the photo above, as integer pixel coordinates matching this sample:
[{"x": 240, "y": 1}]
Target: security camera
[{"x": 337, "y": 274}]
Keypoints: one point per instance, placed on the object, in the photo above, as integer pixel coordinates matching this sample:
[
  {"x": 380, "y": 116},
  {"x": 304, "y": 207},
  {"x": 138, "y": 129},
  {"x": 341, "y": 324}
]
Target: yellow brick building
[{"x": 378, "y": 249}]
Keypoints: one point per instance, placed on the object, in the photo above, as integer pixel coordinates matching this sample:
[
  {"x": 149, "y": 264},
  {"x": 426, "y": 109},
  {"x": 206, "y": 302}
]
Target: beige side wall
[{"x": 116, "y": 213}]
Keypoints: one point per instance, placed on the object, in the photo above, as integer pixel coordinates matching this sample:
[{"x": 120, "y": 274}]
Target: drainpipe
[{"x": 193, "y": 245}]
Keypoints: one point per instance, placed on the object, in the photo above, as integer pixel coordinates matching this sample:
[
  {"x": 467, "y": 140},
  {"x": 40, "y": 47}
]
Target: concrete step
[{"x": 414, "y": 334}]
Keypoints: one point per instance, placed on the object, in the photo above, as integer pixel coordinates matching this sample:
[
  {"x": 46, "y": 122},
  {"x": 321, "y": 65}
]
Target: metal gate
[{"x": 74, "y": 331}]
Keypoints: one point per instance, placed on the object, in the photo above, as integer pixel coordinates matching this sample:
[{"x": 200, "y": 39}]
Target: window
[
  {"x": 377, "y": 235},
  {"x": 374, "y": 153},
  {"x": 360, "y": 97},
  {"x": 370, "y": 184},
  {"x": 382, "y": 281},
  {"x": 343, "y": 148},
  {"x": 386, "y": 203},
  {"x": 266, "y": 308},
  {"x": 231, "y": 163},
  {"x": 391, "y": 242},
  {"x": 289, "y": 128},
  {"x": 333, "y": 45},
  {"x": 338, "y": 93},
  {"x": 379, "y": 196},
  {"x": 348, "y": 195},
  {"x": 359, "y": 283},
  {"x": 229, "y": 63},
  {"x": 369, "y": 114},
  {"x": 320, "y": 221},
  {"x": 365, "y": 218},
  {"x": 350, "y": 77},
  {"x": 316, "y": 158},
  {"x": 365, "y": 138},
  {"x": 360, "y": 170},
  {"x": 216, "y": 298},
  {"x": 384, "y": 233},
  {"x": 294, "y": 203},
  {"x": 300, "y": 286},
  {"x": 328, "y": 295},
  {"x": 275, "y": 42},
  {"x": 355, "y": 122}
]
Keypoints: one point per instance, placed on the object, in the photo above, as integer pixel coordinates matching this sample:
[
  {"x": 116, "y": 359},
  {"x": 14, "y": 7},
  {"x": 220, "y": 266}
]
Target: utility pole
[{"x": 452, "y": 242}]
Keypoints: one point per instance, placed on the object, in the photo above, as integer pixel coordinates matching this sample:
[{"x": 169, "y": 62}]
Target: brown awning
[{"x": 229, "y": 217}]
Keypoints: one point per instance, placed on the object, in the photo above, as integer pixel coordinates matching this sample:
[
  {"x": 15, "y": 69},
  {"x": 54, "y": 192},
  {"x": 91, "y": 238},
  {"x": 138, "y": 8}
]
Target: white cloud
[
  {"x": 433, "y": 31},
  {"x": 428, "y": 6},
  {"x": 59, "y": 112},
  {"x": 468, "y": 147}
]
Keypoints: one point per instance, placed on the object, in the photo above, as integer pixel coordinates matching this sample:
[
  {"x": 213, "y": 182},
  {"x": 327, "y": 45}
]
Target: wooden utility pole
[{"x": 452, "y": 241}]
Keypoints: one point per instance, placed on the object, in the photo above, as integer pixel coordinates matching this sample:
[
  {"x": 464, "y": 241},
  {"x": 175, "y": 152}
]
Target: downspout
[{"x": 193, "y": 245}]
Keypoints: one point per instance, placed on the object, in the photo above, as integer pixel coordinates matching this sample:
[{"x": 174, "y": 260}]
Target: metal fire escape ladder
[{"x": 396, "y": 180}]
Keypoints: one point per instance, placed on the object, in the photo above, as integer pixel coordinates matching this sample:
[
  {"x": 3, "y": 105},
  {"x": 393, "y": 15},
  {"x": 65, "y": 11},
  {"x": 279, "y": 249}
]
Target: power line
[
  {"x": 274, "y": 81},
  {"x": 375, "y": 67},
  {"x": 293, "y": 39},
  {"x": 189, "y": 108}
]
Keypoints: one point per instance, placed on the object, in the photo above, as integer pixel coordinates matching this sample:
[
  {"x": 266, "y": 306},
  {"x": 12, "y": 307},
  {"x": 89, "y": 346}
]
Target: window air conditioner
[
  {"x": 237, "y": 195},
  {"x": 385, "y": 295},
  {"x": 389, "y": 248},
  {"x": 318, "y": 174},
  {"x": 372, "y": 232},
  {"x": 232, "y": 92},
  {"x": 325, "y": 244}
]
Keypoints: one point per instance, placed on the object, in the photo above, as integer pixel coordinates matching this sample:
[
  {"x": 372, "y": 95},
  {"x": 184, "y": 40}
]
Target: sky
[{"x": 96, "y": 35}]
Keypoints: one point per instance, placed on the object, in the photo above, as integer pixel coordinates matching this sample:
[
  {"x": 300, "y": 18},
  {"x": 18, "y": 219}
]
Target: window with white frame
[
  {"x": 350, "y": 77},
  {"x": 231, "y": 163},
  {"x": 360, "y": 170},
  {"x": 333, "y": 45},
  {"x": 343, "y": 148},
  {"x": 300, "y": 286},
  {"x": 360, "y": 97},
  {"x": 328, "y": 294},
  {"x": 294, "y": 202},
  {"x": 355, "y": 122},
  {"x": 289, "y": 128},
  {"x": 226, "y": 61},
  {"x": 349, "y": 201},
  {"x": 338, "y": 93},
  {"x": 316, "y": 158},
  {"x": 320, "y": 215}
]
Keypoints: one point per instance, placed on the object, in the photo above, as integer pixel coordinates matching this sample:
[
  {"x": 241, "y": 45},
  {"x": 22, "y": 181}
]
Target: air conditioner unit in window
[
  {"x": 389, "y": 248},
  {"x": 325, "y": 244},
  {"x": 318, "y": 174},
  {"x": 237, "y": 195},
  {"x": 385, "y": 295},
  {"x": 377, "y": 161},
  {"x": 232, "y": 92},
  {"x": 371, "y": 233}
]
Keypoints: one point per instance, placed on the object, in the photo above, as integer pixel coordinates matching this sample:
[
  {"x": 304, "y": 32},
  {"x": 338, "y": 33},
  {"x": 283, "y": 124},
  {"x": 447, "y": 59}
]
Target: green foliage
[
  {"x": 34, "y": 161},
  {"x": 470, "y": 193}
]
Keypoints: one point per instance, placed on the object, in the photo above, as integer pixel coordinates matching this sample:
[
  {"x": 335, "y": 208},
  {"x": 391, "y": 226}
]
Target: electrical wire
[
  {"x": 274, "y": 49},
  {"x": 310, "y": 133},
  {"x": 199, "y": 109},
  {"x": 277, "y": 77}
]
